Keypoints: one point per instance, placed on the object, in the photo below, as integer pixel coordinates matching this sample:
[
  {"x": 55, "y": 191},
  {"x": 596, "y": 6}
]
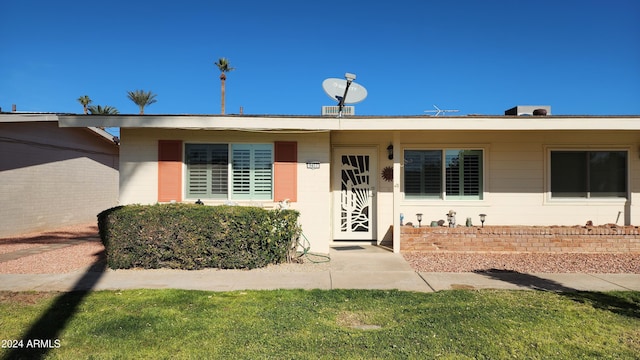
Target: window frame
[
  {"x": 586, "y": 199},
  {"x": 230, "y": 194},
  {"x": 443, "y": 197}
]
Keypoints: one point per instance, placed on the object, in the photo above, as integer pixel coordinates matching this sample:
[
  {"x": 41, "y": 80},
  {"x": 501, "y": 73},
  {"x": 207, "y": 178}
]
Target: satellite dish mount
[
  {"x": 350, "y": 77},
  {"x": 333, "y": 87}
]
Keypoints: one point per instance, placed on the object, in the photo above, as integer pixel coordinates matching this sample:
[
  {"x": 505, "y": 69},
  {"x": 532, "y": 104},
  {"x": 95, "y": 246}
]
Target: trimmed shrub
[{"x": 188, "y": 236}]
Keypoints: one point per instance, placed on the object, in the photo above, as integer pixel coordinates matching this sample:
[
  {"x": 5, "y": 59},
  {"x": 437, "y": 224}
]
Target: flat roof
[{"x": 327, "y": 123}]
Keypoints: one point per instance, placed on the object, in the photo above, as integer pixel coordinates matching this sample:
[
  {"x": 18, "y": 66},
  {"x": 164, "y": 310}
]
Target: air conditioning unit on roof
[
  {"x": 335, "y": 110},
  {"x": 528, "y": 110}
]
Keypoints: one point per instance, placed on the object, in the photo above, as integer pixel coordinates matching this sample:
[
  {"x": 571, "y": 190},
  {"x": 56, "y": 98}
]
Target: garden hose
[{"x": 306, "y": 246}]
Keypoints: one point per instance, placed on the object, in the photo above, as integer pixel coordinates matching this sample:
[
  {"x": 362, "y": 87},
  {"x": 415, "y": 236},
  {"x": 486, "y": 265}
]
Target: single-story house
[
  {"x": 52, "y": 176},
  {"x": 358, "y": 178}
]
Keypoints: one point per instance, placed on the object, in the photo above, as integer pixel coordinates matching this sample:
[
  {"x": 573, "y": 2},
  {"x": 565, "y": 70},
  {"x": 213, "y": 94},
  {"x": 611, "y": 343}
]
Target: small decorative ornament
[{"x": 387, "y": 173}]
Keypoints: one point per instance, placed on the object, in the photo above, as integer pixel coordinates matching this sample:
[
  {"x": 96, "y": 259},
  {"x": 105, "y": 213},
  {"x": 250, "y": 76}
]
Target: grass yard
[{"x": 345, "y": 324}]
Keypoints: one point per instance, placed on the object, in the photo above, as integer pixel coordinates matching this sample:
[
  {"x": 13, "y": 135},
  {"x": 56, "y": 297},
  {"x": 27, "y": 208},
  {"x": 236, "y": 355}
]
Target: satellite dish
[{"x": 335, "y": 88}]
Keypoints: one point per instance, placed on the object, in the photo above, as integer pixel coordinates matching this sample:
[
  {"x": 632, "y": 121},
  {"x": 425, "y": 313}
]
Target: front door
[{"x": 354, "y": 189}]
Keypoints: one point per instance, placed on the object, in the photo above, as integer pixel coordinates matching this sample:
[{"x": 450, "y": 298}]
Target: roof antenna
[
  {"x": 439, "y": 111},
  {"x": 338, "y": 89}
]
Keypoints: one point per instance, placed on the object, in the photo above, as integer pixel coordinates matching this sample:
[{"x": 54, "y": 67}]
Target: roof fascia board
[
  {"x": 477, "y": 123},
  {"x": 18, "y": 117},
  {"x": 494, "y": 123},
  {"x": 32, "y": 117},
  {"x": 202, "y": 122}
]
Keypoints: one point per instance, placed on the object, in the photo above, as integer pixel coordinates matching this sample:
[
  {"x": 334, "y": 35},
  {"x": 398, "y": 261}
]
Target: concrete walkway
[{"x": 351, "y": 267}]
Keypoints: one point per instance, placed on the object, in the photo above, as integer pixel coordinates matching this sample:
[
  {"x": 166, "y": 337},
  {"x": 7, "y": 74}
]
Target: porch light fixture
[
  {"x": 390, "y": 151},
  {"x": 419, "y": 216},
  {"x": 483, "y": 217}
]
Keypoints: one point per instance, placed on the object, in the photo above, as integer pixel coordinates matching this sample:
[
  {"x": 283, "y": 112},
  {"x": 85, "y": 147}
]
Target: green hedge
[{"x": 186, "y": 236}]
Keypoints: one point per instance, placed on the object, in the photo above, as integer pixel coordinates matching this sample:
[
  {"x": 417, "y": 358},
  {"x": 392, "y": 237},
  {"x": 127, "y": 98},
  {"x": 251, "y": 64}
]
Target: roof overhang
[
  {"x": 48, "y": 117},
  {"x": 27, "y": 117},
  {"x": 388, "y": 123}
]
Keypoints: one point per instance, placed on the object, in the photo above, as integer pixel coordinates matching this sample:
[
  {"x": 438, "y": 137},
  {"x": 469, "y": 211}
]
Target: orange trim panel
[
  {"x": 169, "y": 170},
  {"x": 285, "y": 171}
]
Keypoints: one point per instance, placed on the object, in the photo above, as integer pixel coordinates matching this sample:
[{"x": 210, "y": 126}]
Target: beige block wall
[
  {"x": 139, "y": 172},
  {"x": 139, "y": 166},
  {"x": 314, "y": 199},
  {"x": 515, "y": 178},
  {"x": 52, "y": 177}
]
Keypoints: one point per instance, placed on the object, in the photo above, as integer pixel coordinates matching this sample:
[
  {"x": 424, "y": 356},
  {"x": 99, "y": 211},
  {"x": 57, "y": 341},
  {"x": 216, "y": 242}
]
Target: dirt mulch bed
[
  {"x": 81, "y": 254},
  {"x": 86, "y": 253},
  {"x": 525, "y": 262}
]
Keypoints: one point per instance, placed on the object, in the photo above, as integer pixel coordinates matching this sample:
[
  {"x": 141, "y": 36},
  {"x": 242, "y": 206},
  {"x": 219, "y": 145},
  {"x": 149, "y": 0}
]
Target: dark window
[{"x": 588, "y": 174}]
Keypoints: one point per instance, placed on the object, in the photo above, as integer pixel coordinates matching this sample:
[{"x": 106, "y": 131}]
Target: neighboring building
[
  {"x": 351, "y": 178},
  {"x": 52, "y": 176}
]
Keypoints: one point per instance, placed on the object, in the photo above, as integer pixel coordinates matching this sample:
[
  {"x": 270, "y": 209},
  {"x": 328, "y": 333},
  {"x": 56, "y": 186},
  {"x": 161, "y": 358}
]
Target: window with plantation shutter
[
  {"x": 235, "y": 172},
  {"x": 423, "y": 174},
  {"x": 458, "y": 177},
  {"x": 472, "y": 173},
  {"x": 207, "y": 170},
  {"x": 252, "y": 172},
  {"x": 463, "y": 174}
]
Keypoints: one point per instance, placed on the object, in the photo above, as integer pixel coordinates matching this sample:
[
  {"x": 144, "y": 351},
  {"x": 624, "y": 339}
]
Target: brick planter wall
[{"x": 540, "y": 239}]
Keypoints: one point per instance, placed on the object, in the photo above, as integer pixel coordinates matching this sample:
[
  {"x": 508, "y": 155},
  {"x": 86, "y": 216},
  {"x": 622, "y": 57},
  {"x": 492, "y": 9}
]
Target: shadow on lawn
[
  {"x": 600, "y": 300},
  {"x": 44, "y": 334}
]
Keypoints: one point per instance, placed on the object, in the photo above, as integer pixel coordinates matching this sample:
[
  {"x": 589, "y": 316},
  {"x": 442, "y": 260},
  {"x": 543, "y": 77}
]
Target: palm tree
[
  {"x": 106, "y": 110},
  {"x": 142, "y": 98},
  {"x": 85, "y": 101},
  {"x": 223, "y": 66}
]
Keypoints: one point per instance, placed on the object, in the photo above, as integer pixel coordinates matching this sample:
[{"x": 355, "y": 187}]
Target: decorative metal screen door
[{"x": 354, "y": 180}]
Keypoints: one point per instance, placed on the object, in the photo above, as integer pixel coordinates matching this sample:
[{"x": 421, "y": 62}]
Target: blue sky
[{"x": 479, "y": 57}]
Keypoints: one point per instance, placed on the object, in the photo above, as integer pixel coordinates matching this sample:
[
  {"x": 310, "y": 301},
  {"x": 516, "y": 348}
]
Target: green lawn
[{"x": 320, "y": 324}]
